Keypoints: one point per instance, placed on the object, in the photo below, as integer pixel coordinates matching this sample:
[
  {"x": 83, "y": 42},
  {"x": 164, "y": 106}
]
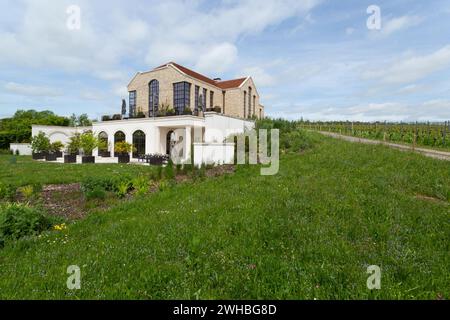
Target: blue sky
[{"x": 314, "y": 59}]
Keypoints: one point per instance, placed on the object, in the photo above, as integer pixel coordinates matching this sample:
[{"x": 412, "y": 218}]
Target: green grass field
[{"x": 308, "y": 232}]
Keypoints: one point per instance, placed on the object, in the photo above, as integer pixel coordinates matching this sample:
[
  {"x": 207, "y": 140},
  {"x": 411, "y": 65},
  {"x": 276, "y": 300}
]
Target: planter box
[
  {"x": 38, "y": 156},
  {"x": 87, "y": 159},
  {"x": 70, "y": 158},
  {"x": 50, "y": 157},
  {"x": 124, "y": 158}
]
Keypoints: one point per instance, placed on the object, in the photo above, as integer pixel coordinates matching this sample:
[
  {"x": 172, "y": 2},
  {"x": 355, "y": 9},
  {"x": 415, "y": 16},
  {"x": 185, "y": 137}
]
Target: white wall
[
  {"x": 56, "y": 133},
  {"x": 213, "y": 153},
  {"x": 24, "y": 148},
  {"x": 218, "y": 126}
]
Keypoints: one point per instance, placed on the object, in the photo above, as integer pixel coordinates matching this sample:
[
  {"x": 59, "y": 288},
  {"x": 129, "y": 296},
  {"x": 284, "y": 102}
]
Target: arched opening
[
  {"x": 153, "y": 97},
  {"x": 119, "y": 136},
  {"x": 138, "y": 143},
  {"x": 103, "y": 144},
  {"x": 170, "y": 141}
]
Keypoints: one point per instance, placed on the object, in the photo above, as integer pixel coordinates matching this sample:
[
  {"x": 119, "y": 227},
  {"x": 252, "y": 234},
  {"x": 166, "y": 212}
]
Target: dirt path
[{"x": 426, "y": 152}]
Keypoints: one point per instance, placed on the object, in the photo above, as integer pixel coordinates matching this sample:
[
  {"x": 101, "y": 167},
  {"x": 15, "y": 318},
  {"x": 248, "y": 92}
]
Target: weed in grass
[
  {"x": 122, "y": 189},
  {"x": 169, "y": 173},
  {"x": 7, "y": 192},
  {"x": 27, "y": 192},
  {"x": 141, "y": 185}
]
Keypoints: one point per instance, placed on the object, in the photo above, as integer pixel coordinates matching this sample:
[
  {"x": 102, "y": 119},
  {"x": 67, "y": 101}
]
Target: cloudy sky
[{"x": 315, "y": 59}]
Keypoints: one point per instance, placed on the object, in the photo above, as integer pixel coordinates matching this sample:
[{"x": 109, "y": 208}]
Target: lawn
[
  {"x": 308, "y": 232},
  {"x": 25, "y": 171}
]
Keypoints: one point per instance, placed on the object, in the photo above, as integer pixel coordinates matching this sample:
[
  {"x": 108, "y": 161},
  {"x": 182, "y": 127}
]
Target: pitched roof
[{"x": 227, "y": 84}]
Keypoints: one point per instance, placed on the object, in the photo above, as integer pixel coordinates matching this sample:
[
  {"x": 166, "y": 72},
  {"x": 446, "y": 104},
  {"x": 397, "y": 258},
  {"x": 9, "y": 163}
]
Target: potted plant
[
  {"x": 123, "y": 149},
  {"x": 88, "y": 143},
  {"x": 187, "y": 110},
  {"x": 73, "y": 148},
  {"x": 54, "y": 151},
  {"x": 103, "y": 148},
  {"x": 40, "y": 144}
]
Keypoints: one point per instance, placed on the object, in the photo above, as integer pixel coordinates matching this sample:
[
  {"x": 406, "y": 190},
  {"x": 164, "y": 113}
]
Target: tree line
[{"x": 17, "y": 129}]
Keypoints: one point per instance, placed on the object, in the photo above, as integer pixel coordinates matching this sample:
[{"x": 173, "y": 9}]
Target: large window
[
  {"x": 153, "y": 97},
  {"x": 245, "y": 102},
  {"x": 138, "y": 143},
  {"x": 197, "y": 92},
  {"x": 249, "y": 114},
  {"x": 205, "y": 93},
  {"x": 211, "y": 99},
  {"x": 132, "y": 103},
  {"x": 103, "y": 141},
  {"x": 119, "y": 136},
  {"x": 181, "y": 96},
  {"x": 254, "y": 105}
]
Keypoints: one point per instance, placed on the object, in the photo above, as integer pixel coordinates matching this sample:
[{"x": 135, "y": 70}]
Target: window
[
  {"x": 181, "y": 96},
  {"x": 132, "y": 103},
  {"x": 103, "y": 139},
  {"x": 249, "y": 114},
  {"x": 223, "y": 101},
  {"x": 197, "y": 89},
  {"x": 153, "y": 97},
  {"x": 138, "y": 143},
  {"x": 254, "y": 105},
  {"x": 245, "y": 101},
  {"x": 211, "y": 99},
  {"x": 205, "y": 92},
  {"x": 119, "y": 136}
]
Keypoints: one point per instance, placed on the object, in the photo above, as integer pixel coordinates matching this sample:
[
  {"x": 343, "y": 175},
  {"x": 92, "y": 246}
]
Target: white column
[
  {"x": 129, "y": 139},
  {"x": 187, "y": 143},
  {"x": 111, "y": 143}
]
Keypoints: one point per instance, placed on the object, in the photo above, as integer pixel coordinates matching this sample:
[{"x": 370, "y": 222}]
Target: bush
[
  {"x": 74, "y": 144},
  {"x": 108, "y": 184},
  {"x": 56, "y": 146},
  {"x": 106, "y": 118},
  {"x": 140, "y": 184},
  {"x": 123, "y": 147},
  {"x": 88, "y": 142},
  {"x": 40, "y": 143},
  {"x": 117, "y": 117},
  {"x": 7, "y": 192},
  {"x": 122, "y": 188},
  {"x": 19, "y": 220}
]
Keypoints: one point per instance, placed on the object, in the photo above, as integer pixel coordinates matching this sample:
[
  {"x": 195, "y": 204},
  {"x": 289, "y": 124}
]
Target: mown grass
[
  {"x": 25, "y": 171},
  {"x": 308, "y": 232}
]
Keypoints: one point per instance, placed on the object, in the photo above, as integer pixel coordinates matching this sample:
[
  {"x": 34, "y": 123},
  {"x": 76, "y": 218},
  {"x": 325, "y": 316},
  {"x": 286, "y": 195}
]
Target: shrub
[
  {"x": 27, "y": 191},
  {"x": 56, "y": 146},
  {"x": 140, "y": 184},
  {"x": 105, "y": 183},
  {"x": 106, "y": 118},
  {"x": 187, "y": 110},
  {"x": 117, "y": 117},
  {"x": 74, "y": 144},
  {"x": 140, "y": 114},
  {"x": 88, "y": 142},
  {"x": 40, "y": 143},
  {"x": 19, "y": 220},
  {"x": 122, "y": 189},
  {"x": 7, "y": 192},
  {"x": 123, "y": 147}
]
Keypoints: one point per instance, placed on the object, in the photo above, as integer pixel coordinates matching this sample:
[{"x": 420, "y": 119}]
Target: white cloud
[
  {"x": 259, "y": 75},
  {"x": 217, "y": 58},
  {"x": 30, "y": 90},
  {"x": 412, "y": 68},
  {"x": 396, "y": 24}
]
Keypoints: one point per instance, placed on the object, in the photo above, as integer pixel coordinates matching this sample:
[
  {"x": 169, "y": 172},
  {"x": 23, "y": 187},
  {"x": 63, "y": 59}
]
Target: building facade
[{"x": 172, "y": 86}]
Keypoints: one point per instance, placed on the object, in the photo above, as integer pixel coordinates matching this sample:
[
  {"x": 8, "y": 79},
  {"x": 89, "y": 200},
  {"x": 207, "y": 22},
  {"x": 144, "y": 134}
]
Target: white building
[{"x": 160, "y": 135}]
